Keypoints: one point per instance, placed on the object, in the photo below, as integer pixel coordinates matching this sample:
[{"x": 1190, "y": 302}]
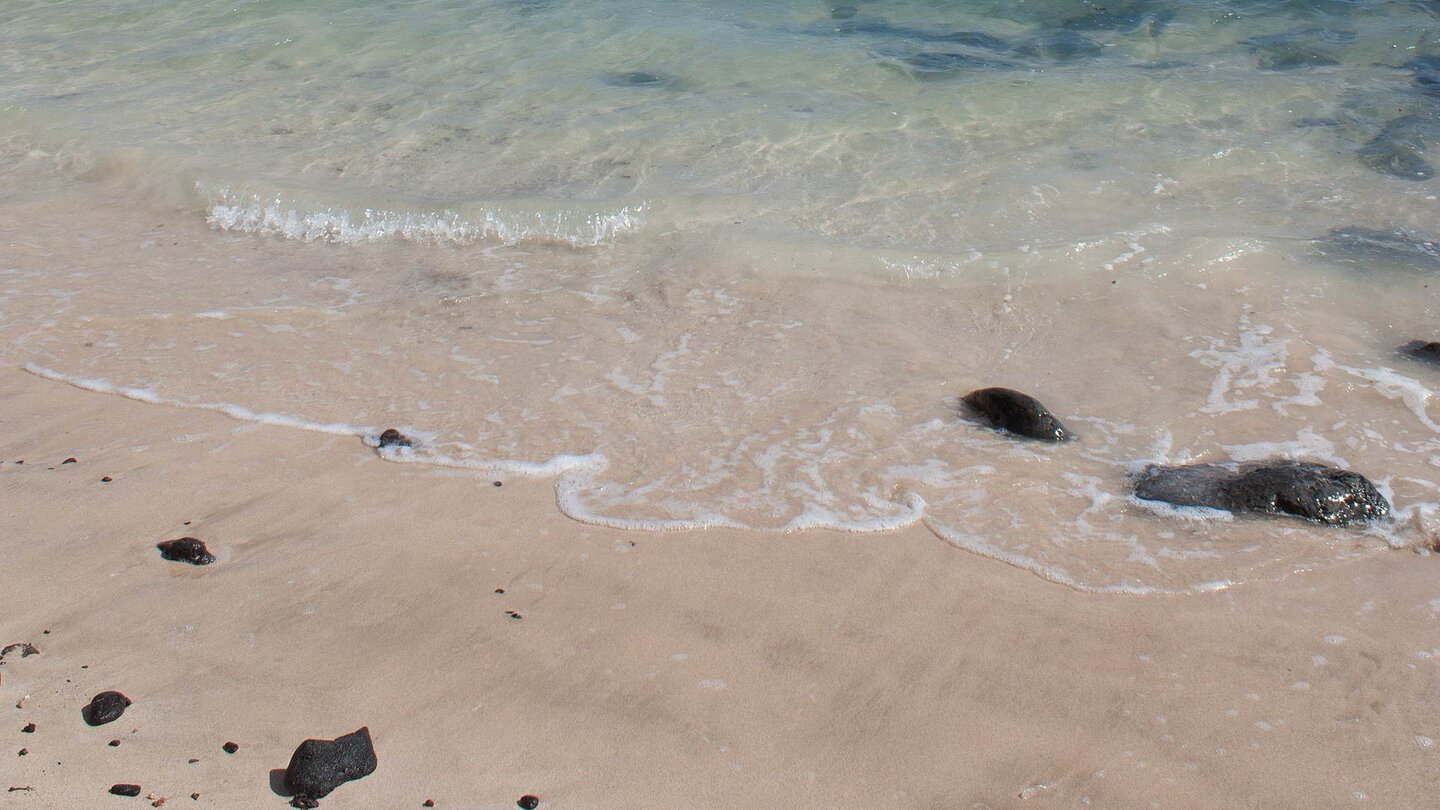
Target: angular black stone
[
  {"x": 28, "y": 729},
  {"x": 1316, "y": 492},
  {"x": 125, "y": 790},
  {"x": 1017, "y": 413},
  {"x": 319, "y": 766},
  {"x": 105, "y": 707},
  {"x": 1421, "y": 350},
  {"x": 187, "y": 550},
  {"x": 394, "y": 438}
]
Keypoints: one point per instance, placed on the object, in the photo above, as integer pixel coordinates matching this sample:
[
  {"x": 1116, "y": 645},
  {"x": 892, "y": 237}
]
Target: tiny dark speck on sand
[
  {"x": 499, "y": 484},
  {"x": 24, "y": 751},
  {"x": 192, "y": 760},
  {"x": 114, "y": 743},
  {"x": 107, "y": 479},
  {"x": 125, "y": 790},
  {"x": 528, "y": 802},
  {"x": 500, "y": 590},
  {"x": 195, "y": 796},
  {"x": 28, "y": 729},
  {"x": 428, "y": 803},
  {"x": 231, "y": 747},
  {"x": 71, "y": 460}
]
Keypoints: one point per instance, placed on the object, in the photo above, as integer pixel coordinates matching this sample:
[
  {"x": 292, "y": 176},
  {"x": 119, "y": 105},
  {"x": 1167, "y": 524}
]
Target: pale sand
[{"x": 714, "y": 669}]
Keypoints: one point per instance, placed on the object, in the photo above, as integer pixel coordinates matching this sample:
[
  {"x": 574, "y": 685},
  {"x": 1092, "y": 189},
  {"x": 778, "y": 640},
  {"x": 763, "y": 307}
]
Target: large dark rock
[
  {"x": 125, "y": 790},
  {"x": 105, "y": 707},
  {"x": 1422, "y": 350},
  {"x": 319, "y": 766},
  {"x": 187, "y": 550},
  {"x": 1017, "y": 413},
  {"x": 1316, "y": 492}
]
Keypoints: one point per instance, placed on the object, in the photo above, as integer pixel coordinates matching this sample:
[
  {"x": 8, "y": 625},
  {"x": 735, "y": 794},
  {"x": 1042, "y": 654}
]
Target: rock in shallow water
[
  {"x": 319, "y": 766},
  {"x": 1422, "y": 350},
  {"x": 1316, "y": 492},
  {"x": 394, "y": 438},
  {"x": 187, "y": 550},
  {"x": 1017, "y": 413},
  {"x": 105, "y": 707}
]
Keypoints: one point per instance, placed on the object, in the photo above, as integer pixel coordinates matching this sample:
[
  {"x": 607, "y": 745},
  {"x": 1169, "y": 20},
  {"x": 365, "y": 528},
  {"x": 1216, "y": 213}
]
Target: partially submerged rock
[
  {"x": 394, "y": 438},
  {"x": 1017, "y": 413},
  {"x": 1421, "y": 350},
  {"x": 1316, "y": 492},
  {"x": 187, "y": 550},
  {"x": 319, "y": 766},
  {"x": 1399, "y": 148},
  {"x": 105, "y": 707}
]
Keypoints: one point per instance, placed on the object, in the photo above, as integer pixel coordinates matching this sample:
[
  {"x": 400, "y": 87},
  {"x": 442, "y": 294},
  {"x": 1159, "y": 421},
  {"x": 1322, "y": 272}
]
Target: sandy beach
[{"x": 703, "y": 669}]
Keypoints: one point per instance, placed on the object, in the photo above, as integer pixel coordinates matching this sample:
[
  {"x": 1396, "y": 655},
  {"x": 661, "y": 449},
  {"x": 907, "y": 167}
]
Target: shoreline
[{"x": 703, "y": 669}]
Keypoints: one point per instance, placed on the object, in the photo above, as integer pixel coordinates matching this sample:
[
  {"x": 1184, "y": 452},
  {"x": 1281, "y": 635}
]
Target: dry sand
[{"x": 713, "y": 669}]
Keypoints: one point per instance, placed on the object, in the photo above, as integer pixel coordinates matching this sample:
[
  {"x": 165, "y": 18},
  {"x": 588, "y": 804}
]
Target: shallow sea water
[{"x": 735, "y": 263}]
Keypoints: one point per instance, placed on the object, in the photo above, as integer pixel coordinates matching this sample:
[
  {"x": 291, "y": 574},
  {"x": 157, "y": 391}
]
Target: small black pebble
[
  {"x": 107, "y": 479},
  {"x": 28, "y": 729},
  {"x": 195, "y": 796},
  {"x": 499, "y": 484},
  {"x": 70, "y": 460},
  {"x": 500, "y": 590},
  {"x": 125, "y": 790},
  {"x": 528, "y": 802},
  {"x": 44, "y": 632},
  {"x": 114, "y": 743},
  {"x": 193, "y": 761},
  {"x": 21, "y": 461},
  {"x": 24, "y": 751},
  {"x": 231, "y": 747},
  {"x": 428, "y": 803},
  {"x": 104, "y": 708}
]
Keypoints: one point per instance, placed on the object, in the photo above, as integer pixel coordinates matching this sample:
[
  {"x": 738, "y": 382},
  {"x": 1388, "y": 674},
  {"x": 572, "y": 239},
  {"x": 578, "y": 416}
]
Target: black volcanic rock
[
  {"x": 1316, "y": 492},
  {"x": 125, "y": 790},
  {"x": 1017, "y": 413},
  {"x": 1422, "y": 350},
  {"x": 105, "y": 707},
  {"x": 319, "y": 766},
  {"x": 394, "y": 438},
  {"x": 187, "y": 550}
]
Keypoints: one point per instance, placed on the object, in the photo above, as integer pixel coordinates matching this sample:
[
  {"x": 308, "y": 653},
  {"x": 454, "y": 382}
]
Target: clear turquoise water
[{"x": 879, "y": 124}]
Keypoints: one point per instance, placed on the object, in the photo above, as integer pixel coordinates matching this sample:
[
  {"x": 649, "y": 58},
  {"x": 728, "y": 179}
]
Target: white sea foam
[{"x": 249, "y": 213}]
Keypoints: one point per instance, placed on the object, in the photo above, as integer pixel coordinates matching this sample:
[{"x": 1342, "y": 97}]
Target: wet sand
[{"x": 700, "y": 669}]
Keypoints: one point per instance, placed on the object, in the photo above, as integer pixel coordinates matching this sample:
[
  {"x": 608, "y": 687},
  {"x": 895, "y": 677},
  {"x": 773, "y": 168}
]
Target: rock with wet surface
[
  {"x": 1422, "y": 350},
  {"x": 394, "y": 438},
  {"x": 1316, "y": 492},
  {"x": 641, "y": 79},
  {"x": 1060, "y": 46},
  {"x": 319, "y": 766},
  {"x": 187, "y": 550},
  {"x": 105, "y": 707},
  {"x": 1016, "y": 413}
]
